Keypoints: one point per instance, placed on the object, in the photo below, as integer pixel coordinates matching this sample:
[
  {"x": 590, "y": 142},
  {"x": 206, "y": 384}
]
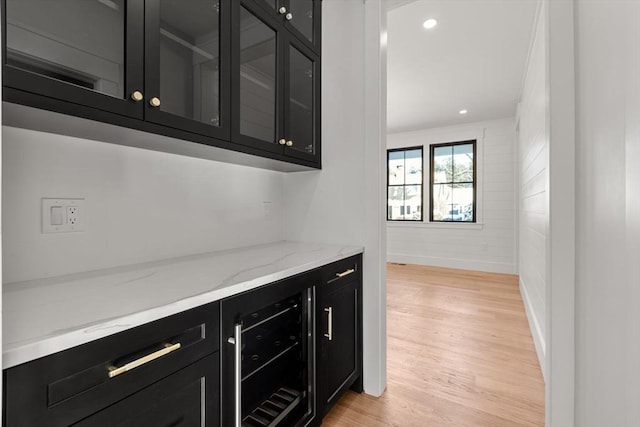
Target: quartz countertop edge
[{"x": 45, "y": 316}]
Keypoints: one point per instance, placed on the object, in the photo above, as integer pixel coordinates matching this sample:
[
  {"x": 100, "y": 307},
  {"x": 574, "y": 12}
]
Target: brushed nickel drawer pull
[
  {"x": 115, "y": 371},
  {"x": 329, "y": 333},
  {"x": 346, "y": 273}
]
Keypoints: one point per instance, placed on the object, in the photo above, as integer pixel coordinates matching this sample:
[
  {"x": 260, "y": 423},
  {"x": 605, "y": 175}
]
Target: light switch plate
[{"x": 63, "y": 215}]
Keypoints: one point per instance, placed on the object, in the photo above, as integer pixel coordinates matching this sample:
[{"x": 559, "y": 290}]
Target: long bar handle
[
  {"x": 330, "y": 321},
  {"x": 346, "y": 272},
  {"x": 236, "y": 340},
  {"x": 168, "y": 348}
]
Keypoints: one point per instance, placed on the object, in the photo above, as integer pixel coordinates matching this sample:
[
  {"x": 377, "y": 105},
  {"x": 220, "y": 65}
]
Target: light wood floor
[{"x": 459, "y": 354}]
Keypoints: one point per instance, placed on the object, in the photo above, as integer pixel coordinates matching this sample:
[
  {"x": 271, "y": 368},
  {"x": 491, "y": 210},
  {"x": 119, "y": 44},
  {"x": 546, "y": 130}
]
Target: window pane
[
  {"x": 413, "y": 167},
  {"x": 462, "y": 202},
  {"x": 442, "y": 202},
  {"x": 452, "y": 182},
  {"x": 396, "y": 167},
  {"x": 405, "y": 184},
  {"x": 396, "y": 202},
  {"x": 413, "y": 202},
  {"x": 463, "y": 163},
  {"x": 442, "y": 164}
]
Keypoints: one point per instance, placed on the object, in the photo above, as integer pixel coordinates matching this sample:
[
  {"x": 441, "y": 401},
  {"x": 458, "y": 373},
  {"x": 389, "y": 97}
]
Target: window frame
[
  {"x": 432, "y": 148},
  {"x": 421, "y": 210}
]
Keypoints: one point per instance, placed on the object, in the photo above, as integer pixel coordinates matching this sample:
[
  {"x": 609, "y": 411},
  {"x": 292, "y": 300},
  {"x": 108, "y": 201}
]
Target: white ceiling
[{"x": 474, "y": 59}]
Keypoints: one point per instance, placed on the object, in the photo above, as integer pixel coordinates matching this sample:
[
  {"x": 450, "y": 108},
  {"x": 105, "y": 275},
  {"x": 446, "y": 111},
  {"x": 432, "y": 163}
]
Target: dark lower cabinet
[
  {"x": 126, "y": 376},
  {"x": 339, "y": 332},
  {"x": 244, "y": 361},
  {"x": 188, "y": 398}
]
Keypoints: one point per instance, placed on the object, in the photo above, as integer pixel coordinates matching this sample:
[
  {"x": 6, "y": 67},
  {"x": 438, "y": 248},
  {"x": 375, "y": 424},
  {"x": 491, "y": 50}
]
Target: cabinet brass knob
[
  {"x": 137, "y": 96},
  {"x": 288, "y": 16},
  {"x": 282, "y": 10},
  {"x": 289, "y": 143},
  {"x": 155, "y": 102},
  {"x": 282, "y": 141}
]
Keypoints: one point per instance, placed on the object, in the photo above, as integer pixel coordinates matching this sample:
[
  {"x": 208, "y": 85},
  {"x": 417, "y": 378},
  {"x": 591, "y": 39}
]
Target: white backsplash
[{"x": 140, "y": 205}]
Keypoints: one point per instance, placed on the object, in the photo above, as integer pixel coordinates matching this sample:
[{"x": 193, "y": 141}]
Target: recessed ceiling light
[
  {"x": 430, "y": 23},
  {"x": 463, "y": 112}
]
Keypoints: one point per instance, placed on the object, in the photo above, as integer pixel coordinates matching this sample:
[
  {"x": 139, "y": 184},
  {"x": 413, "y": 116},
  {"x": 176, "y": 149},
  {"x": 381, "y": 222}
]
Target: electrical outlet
[
  {"x": 72, "y": 215},
  {"x": 63, "y": 215},
  {"x": 267, "y": 206}
]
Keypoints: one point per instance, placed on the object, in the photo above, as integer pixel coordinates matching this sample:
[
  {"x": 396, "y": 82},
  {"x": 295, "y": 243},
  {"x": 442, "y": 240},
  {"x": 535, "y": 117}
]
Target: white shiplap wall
[
  {"x": 533, "y": 160},
  {"x": 488, "y": 245}
]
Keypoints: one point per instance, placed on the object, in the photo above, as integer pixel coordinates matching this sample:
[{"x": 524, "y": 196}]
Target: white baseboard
[
  {"x": 463, "y": 264},
  {"x": 536, "y": 330}
]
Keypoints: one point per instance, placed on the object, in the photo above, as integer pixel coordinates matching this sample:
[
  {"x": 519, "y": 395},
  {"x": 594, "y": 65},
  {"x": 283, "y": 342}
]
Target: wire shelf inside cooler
[{"x": 274, "y": 409}]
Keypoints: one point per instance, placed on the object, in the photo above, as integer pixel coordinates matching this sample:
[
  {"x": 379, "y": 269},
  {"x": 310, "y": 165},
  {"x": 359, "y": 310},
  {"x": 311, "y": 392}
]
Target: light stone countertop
[{"x": 42, "y": 317}]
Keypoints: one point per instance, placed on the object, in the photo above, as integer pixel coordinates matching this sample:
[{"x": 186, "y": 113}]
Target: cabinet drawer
[
  {"x": 189, "y": 397},
  {"x": 343, "y": 271},
  {"x": 63, "y": 388}
]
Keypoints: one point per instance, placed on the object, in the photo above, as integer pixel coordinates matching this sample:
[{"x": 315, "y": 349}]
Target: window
[
  {"x": 453, "y": 182},
  {"x": 404, "y": 184}
]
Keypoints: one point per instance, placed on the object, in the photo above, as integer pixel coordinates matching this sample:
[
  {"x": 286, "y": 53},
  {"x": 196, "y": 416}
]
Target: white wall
[
  {"x": 608, "y": 213},
  {"x": 546, "y": 171},
  {"x": 533, "y": 212},
  {"x": 343, "y": 203},
  {"x": 488, "y": 245},
  {"x": 140, "y": 205}
]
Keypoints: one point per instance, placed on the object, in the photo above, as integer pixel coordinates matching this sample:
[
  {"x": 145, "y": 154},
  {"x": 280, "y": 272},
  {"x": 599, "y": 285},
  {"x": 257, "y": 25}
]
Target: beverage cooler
[{"x": 267, "y": 360}]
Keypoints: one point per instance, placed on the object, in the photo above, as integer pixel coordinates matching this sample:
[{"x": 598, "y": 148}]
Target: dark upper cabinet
[
  {"x": 232, "y": 74},
  {"x": 89, "y": 53},
  {"x": 339, "y": 333},
  {"x": 275, "y": 81},
  {"x": 187, "y": 65}
]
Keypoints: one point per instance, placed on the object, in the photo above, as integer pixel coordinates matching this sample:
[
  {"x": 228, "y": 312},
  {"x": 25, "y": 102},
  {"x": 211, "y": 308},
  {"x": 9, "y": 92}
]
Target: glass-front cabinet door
[
  {"x": 86, "y": 52},
  {"x": 300, "y": 17},
  {"x": 275, "y": 83},
  {"x": 303, "y": 19},
  {"x": 187, "y": 65},
  {"x": 301, "y": 92},
  {"x": 256, "y": 79}
]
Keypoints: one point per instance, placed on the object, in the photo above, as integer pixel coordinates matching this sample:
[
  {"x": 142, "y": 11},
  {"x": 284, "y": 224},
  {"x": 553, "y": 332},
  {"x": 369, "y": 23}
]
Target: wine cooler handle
[
  {"x": 236, "y": 340},
  {"x": 329, "y": 333}
]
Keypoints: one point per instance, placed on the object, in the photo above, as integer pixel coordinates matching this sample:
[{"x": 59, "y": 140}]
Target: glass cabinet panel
[
  {"x": 257, "y": 78},
  {"x": 78, "y": 42},
  {"x": 271, "y": 3},
  {"x": 190, "y": 59},
  {"x": 301, "y": 114},
  {"x": 302, "y": 17}
]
